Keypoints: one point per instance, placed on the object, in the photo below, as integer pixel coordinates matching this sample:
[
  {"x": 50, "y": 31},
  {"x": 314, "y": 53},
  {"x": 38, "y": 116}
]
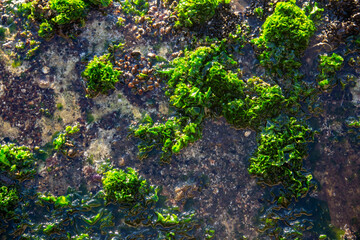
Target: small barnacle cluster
[
  {"x": 154, "y": 24},
  {"x": 138, "y": 71}
]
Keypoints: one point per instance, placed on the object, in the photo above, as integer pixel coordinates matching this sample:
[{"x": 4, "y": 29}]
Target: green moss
[
  {"x": 192, "y": 12},
  {"x": 100, "y": 76},
  {"x": 279, "y": 157},
  {"x": 124, "y": 187},
  {"x": 285, "y": 35},
  {"x": 8, "y": 201}
]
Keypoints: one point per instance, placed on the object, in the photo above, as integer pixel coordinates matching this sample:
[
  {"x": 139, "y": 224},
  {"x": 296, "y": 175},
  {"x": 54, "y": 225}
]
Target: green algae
[
  {"x": 193, "y": 12},
  {"x": 135, "y": 7},
  {"x": 285, "y": 35},
  {"x": 279, "y": 156},
  {"x": 57, "y": 16},
  {"x": 328, "y": 66},
  {"x": 8, "y": 201},
  {"x": 61, "y": 138},
  {"x": 82, "y": 215},
  {"x": 100, "y": 76},
  {"x": 125, "y": 187},
  {"x": 16, "y": 161},
  {"x": 201, "y": 84}
]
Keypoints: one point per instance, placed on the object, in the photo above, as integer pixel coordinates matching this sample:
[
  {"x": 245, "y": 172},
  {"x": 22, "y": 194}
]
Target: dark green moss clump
[
  {"x": 285, "y": 35},
  {"x": 124, "y": 187},
  {"x": 100, "y": 76},
  {"x": 192, "y": 12}
]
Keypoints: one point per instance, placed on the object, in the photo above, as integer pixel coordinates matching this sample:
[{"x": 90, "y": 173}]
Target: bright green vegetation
[
  {"x": 81, "y": 215},
  {"x": 125, "y": 187},
  {"x": 201, "y": 84},
  {"x": 100, "y": 76},
  {"x": 67, "y": 11},
  {"x": 135, "y": 7},
  {"x": 279, "y": 157},
  {"x": 46, "y": 30},
  {"x": 61, "y": 138},
  {"x": 16, "y": 161},
  {"x": 57, "y": 15},
  {"x": 328, "y": 67},
  {"x": 61, "y": 201},
  {"x": 285, "y": 35},
  {"x": 8, "y": 201},
  {"x": 354, "y": 123},
  {"x": 192, "y": 12}
]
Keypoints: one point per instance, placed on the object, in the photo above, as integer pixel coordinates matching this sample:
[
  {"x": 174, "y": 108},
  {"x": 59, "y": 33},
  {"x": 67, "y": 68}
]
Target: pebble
[{"x": 45, "y": 70}]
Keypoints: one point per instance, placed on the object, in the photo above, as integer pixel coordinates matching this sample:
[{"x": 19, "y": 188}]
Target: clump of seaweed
[
  {"x": 56, "y": 16},
  {"x": 124, "y": 187},
  {"x": 191, "y": 12},
  {"x": 8, "y": 201},
  {"x": 62, "y": 138},
  {"x": 279, "y": 156},
  {"x": 201, "y": 84},
  {"x": 100, "y": 76},
  {"x": 128, "y": 215},
  {"x": 328, "y": 67},
  {"x": 16, "y": 161},
  {"x": 285, "y": 35}
]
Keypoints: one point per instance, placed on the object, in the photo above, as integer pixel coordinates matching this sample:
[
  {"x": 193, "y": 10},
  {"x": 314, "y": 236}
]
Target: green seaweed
[
  {"x": 285, "y": 35},
  {"x": 17, "y": 161},
  {"x": 135, "y": 7},
  {"x": 328, "y": 66},
  {"x": 100, "y": 76},
  {"x": 193, "y": 12},
  {"x": 56, "y": 16},
  {"x": 62, "y": 137},
  {"x": 67, "y": 11},
  {"x": 8, "y": 201},
  {"x": 279, "y": 156},
  {"x": 125, "y": 187},
  {"x": 201, "y": 84}
]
